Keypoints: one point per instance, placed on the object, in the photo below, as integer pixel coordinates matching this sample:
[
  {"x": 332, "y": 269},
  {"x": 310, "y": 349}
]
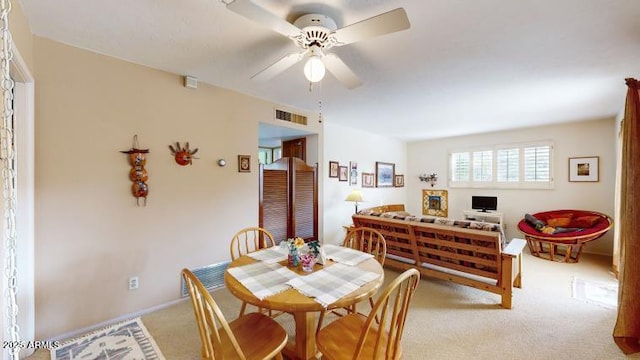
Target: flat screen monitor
[{"x": 484, "y": 203}]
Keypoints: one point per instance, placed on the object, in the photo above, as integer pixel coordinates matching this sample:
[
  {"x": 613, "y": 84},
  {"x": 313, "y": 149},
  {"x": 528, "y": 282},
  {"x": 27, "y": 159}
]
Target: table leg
[{"x": 305, "y": 346}]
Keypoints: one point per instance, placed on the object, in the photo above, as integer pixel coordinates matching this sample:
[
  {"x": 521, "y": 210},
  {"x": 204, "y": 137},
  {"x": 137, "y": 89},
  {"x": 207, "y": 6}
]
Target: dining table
[{"x": 339, "y": 282}]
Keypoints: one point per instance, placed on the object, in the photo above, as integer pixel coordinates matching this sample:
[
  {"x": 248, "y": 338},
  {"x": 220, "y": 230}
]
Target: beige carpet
[{"x": 450, "y": 321}]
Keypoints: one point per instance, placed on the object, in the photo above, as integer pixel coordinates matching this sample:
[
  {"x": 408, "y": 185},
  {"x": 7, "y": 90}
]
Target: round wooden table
[{"x": 302, "y": 308}]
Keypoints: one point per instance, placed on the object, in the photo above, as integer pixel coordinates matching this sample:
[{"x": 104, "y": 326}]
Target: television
[{"x": 484, "y": 203}]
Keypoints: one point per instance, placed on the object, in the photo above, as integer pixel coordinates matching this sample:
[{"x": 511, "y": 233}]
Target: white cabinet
[{"x": 489, "y": 216}]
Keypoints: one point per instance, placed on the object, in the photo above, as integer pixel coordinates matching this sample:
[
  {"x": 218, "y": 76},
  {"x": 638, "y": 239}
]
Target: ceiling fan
[{"x": 314, "y": 34}]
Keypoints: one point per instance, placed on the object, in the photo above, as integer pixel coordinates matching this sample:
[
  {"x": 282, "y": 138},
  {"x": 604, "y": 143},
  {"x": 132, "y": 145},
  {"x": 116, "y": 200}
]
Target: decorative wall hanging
[
  {"x": 435, "y": 203},
  {"x": 584, "y": 168},
  {"x": 431, "y": 179},
  {"x": 398, "y": 181},
  {"x": 183, "y": 155},
  {"x": 138, "y": 174},
  {"x": 384, "y": 174},
  {"x": 244, "y": 163},
  {"x": 353, "y": 173}
]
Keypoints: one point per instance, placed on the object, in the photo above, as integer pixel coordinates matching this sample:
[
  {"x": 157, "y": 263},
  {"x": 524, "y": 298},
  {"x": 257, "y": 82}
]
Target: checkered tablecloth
[
  {"x": 331, "y": 283},
  {"x": 263, "y": 279},
  {"x": 270, "y": 255},
  {"x": 344, "y": 255}
]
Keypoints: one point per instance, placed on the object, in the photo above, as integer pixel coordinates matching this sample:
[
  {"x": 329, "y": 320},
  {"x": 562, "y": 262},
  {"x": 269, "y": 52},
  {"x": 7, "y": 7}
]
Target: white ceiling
[{"x": 464, "y": 66}]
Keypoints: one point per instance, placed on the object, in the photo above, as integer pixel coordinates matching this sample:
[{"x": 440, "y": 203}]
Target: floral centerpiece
[{"x": 294, "y": 245}]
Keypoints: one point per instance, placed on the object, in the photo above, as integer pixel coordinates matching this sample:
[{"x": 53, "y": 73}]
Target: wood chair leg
[
  {"x": 279, "y": 356},
  {"x": 242, "y": 308}
]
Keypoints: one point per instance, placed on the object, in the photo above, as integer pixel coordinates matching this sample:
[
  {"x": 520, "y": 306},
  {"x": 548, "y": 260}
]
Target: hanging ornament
[
  {"x": 183, "y": 155},
  {"x": 138, "y": 174}
]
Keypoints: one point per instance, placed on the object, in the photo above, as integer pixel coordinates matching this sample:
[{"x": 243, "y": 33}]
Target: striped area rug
[{"x": 128, "y": 340}]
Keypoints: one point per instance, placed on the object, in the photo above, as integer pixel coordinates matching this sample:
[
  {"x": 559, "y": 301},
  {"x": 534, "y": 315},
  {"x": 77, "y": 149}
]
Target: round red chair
[{"x": 567, "y": 245}]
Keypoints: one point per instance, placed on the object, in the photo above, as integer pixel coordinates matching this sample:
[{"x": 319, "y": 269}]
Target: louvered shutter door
[{"x": 275, "y": 203}]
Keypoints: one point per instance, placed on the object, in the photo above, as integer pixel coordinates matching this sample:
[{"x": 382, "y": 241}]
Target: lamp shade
[
  {"x": 314, "y": 69},
  {"x": 355, "y": 196}
]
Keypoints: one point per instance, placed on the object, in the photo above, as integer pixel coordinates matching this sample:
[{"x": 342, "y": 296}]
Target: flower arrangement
[
  {"x": 295, "y": 243},
  {"x": 307, "y": 260},
  {"x": 294, "y": 246}
]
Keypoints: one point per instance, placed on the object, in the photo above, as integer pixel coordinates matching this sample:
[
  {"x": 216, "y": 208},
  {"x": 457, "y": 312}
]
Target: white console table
[{"x": 489, "y": 216}]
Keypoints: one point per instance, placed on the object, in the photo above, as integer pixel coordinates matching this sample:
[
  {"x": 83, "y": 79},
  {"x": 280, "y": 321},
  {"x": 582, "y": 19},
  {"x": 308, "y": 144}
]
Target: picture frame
[
  {"x": 244, "y": 163},
  {"x": 385, "y": 174},
  {"x": 368, "y": 180},
  {"x": 333, "y": 169},
  {"x": 584, "y": 169},
  {"x": 343, "y": 173},
  {"x": 435, "y": 203},
  {"x": 398, "y": 181},
  {"x": 353, "y": 173}
]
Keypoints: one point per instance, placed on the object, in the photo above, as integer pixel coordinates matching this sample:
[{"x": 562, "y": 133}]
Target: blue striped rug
[{"x": 128, "y": 340}]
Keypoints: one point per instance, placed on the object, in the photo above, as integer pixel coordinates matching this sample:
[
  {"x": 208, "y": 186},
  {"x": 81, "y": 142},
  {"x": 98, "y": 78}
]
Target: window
[
  {"x": 482, "y": 165},
  {"x": 503, "y": 166}
]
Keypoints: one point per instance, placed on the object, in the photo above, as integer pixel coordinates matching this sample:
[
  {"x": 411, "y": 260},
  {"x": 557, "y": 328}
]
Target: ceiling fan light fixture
[{"x": 314, "y": 69}]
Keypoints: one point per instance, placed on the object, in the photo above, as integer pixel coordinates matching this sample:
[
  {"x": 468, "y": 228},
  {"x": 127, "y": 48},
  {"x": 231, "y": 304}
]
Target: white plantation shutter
[
  {"x": 508, "y": 165},
  {"x": 482, "y": 165},
  {"x": 537, "y": 163},
  {"x": 460, "y": 166}
]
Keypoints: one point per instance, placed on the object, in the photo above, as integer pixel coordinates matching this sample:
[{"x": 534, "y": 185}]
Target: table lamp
[{"x": 355, "y": 196}]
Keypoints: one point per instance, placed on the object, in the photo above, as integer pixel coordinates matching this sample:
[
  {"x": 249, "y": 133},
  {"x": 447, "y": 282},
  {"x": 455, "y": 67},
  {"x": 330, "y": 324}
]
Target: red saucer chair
[{"x": 568, "y": 245}]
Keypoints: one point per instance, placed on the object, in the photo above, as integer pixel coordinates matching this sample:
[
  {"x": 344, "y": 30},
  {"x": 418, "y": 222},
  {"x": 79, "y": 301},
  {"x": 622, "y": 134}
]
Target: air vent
[
  {"x": 211, "y": 276},
  {"x": 291, "y": 117}
]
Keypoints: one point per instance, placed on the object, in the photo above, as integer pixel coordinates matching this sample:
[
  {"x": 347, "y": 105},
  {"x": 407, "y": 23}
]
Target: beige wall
[
  {"x": 90, "y": 235},
  {"x": 592, "y": 138},
  {"x": 21, "y": 34},
  {"x": 343, "y": 144}
]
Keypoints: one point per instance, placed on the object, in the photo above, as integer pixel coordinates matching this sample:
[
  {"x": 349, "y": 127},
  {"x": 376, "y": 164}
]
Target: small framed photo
[
  {"x": 384, "y": 174},
  {"x": 584, "y": 169},
  {"x": 367, "y": 180},
  {"x": 244, "y": 163},
  {"x": 333, "y": 169},
  {"x": 343, "y": 173},
  {"x": 398, "y": 181}
]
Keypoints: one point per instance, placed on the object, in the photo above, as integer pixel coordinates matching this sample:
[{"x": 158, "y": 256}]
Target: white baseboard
[{"x": 88, "y": 329}]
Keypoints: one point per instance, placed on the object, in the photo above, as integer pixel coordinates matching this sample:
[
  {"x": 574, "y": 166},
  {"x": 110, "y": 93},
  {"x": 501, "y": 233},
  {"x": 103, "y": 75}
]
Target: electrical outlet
[{"x": 133, "y": 283}]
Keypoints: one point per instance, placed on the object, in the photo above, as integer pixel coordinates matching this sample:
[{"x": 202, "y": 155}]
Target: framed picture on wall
[
  {"x": 244, "y": 163},
  {"x": 384, "y": 174},
  {"x": 584, "y": 169},
  {"x": 333, "y": 169},
  {"x": 434, "y": 203},
  {"x": 367, "y": 180},
  {"x": 343, "y": 172},
  {"x": 398, "y": 181}
]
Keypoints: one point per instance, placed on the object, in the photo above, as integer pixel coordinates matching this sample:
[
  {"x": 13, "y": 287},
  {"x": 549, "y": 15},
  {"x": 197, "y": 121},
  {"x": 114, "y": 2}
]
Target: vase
[
  {"x": 308, "y": 265},
  {"x": 293, "y": 259}
]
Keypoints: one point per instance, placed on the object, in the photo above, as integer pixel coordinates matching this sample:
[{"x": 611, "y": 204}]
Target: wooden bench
[{"x": 472, "y": 257}]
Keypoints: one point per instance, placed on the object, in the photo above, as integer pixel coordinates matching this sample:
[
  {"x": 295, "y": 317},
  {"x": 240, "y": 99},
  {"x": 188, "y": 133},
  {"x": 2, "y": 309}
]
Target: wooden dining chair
[
  {"x": 247, "y": 241},
  {"x": 355, "y": 336},
  {"x": 252, "y": 336},
  {"x": 367, "y": 240}
]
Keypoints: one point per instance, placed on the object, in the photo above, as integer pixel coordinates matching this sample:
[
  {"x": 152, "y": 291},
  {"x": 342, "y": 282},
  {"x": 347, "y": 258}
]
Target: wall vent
[
  {"x": 291, "y": 117},
  {"x": 211, "y": 276}
]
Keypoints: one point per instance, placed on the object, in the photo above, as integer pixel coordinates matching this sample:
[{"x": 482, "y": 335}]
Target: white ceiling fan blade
[
  {"x": 389, "y": 22},
  {"x": 279, "y": 66},
  {"x": 256, "y": 13},
  {"x": 341, "y": 71}
]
